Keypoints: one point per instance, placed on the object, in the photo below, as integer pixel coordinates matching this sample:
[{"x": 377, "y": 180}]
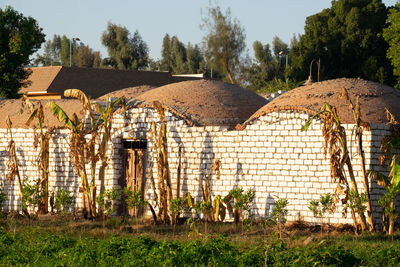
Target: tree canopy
[
  {"x": 347, "y": 39},
  {"x": 126, "y": 52},
  {"x": 57, "y": 52},
  {"x": 392, "y": 36},
  {"x": 178, "y": 58},
  {"x": 224, "y": 42},
  {"x": 20, "y": 37}
]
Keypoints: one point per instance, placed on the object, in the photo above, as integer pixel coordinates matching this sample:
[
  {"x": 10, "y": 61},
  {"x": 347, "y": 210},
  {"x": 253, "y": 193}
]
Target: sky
[{"x": 87, "y": 19}]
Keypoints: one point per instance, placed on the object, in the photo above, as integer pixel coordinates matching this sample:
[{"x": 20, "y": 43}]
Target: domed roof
[
  {"x": 373, "y": 99},
  {"x": 206, "y": 102},
  {"x": 19, "y": 116},
  {"x": 130, "y": 92}
]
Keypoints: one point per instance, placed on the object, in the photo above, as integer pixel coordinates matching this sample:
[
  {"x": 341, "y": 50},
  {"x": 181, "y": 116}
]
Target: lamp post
[
  {"x": 281, "y": 53},
  {"x": 70, "y": 49}
]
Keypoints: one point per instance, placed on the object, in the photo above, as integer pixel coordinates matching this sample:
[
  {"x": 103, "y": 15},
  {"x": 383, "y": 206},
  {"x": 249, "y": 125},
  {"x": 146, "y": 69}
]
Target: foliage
[
  {"x": 63, "y": 200},
  {"x": 177, "y": 206},
  {"x": 164, "y": 196},
  {"x": 347, "y": 39},
  {"x": 12, "y": 163},
  {"x": 31, "y": 194},
  {"x": 279, "y": 213},
  {"x": 126, "y": 52},
  {"x": 391, "y": 35},
  {"x": 106, "y": 200},
  {"x": 87, "y": 58},
  {"x": 318, "y": 210},
  {"x": 336, "y": 147},
  {"x": 57, "y": 52},
  {"x": 242, "y": 205},
  {"x": 41, "y": 140},
  {"x": 133, "y": 199},
  {"x": 20, "y": 38},
  {"x": 179, "y": 59},
  {"x": 388, "y": 200},
  {"x": 224, "y": 42}
]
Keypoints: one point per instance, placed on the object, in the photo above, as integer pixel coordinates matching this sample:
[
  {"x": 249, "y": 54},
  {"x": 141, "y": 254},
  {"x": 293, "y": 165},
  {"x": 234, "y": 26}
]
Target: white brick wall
[{"x": 271, "y": 156}]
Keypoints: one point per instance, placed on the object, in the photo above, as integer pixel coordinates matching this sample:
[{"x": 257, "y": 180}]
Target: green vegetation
[
  {"x": 347, "y": 37},
  {"x": 178, "y": 58},
  {"x": 126, "y": 52},
  {"x": 78, "y": 243},
  {"x": 224, "y": 42},
  {"x": 20, "y": 38},
  {"x": 391, "y": 34},
  {"x": 63, "y": 201}
]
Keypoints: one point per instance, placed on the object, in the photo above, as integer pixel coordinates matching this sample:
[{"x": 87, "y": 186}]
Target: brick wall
[{"x": 272, "y": 156}]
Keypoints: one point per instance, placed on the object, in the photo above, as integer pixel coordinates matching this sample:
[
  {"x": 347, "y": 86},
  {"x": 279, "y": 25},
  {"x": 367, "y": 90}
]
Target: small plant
[
  {"x": 177, "y": 206},
  {"x": 31, "y": 195},
  {"x": 195, "y": 209},
  {"x": 106, "y": 200},
  {"x": 357, "y": 203},
  {"x": 242, "y": 206},
  {"x": 279, "y": 213},
  {"x": 388, "y": 200},
  {"x": 63, "y": 201},
  {"x": 133, "y": 200},
  {"x": 319, "y": 208}
]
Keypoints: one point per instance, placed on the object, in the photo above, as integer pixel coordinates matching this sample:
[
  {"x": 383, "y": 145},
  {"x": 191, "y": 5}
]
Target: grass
[{"x": 63, "y": 241}]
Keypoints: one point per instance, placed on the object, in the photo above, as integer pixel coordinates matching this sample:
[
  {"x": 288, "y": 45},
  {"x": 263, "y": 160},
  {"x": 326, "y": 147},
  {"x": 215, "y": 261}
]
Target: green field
[{"x": 60, "y": 241}]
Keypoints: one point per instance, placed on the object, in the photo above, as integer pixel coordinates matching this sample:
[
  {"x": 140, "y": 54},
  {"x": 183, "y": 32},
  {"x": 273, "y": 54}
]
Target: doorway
[{"x": 134, "y": 170}]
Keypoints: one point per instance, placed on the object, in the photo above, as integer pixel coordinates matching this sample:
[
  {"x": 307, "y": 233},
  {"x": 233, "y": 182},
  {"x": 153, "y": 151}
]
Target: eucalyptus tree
[{"x": 224, "y": 42}]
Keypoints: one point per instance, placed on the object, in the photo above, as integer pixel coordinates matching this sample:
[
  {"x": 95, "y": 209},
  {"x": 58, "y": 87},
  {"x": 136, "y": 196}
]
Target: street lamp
[
  {"x": 70, "y": 49},
  {"x": 281, "y": 53}
]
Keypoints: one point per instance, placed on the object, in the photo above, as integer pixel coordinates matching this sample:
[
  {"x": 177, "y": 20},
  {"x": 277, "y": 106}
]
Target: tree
[
  {"x": 85, "y": 57},
  {"x": 194, "y": 59},
  {"x": 20, "y": 37},
  {"x": 57, "y": 52},
  {"x": 51, "y": 55},
  {"x": 392, "y": 35},
  {"x": 267, "y": 71},
  {"x": 347, "y": 38},
  {"x": 126, "y": 52},
  {"x": 224, "y": 41},
  {"x": 180, "y": 59}
]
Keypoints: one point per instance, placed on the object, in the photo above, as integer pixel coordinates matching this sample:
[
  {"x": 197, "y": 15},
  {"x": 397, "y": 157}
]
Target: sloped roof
[
  {"x": 94, "y": 82},
  {"x": 12, "y": 108},
  {"x": 205, "y": 102},
  {"x": 373, "y": 99}
]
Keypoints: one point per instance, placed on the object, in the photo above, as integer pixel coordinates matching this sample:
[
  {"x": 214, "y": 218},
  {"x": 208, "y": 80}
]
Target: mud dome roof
[
  {"x": 12, "y": 108},
  {"x": 373, "y": 99},
  {"x": 205, "y": 102},
  {"x": 128, "y": 93}
]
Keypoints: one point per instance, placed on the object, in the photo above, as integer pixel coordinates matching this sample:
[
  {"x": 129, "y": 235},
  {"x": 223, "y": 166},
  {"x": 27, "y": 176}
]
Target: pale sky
[{"x": 87, "y": 19}]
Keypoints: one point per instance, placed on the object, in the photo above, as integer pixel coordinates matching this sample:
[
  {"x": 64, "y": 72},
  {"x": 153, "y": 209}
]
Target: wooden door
[{"x": 134, "y": 162}]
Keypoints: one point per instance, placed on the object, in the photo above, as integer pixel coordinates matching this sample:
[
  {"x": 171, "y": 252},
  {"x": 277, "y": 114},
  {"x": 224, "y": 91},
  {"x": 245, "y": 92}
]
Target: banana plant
[
  {"x": 106, "y": 116},
  {"x": 336, "y": 146},
  {"x": 79, "y": 145},
  {"x": 392, "y": 185},
  {"x": 164, "y": 196},
  {"x": 41, "y": 140},
  {"x": 12, "y": 164}
]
